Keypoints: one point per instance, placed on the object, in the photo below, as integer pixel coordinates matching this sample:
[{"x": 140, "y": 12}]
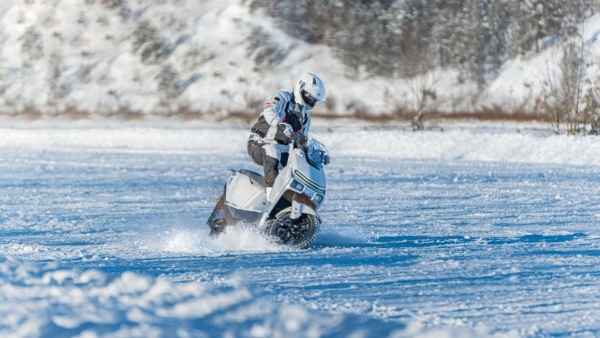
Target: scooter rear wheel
[{"x": 297, "y": 233}]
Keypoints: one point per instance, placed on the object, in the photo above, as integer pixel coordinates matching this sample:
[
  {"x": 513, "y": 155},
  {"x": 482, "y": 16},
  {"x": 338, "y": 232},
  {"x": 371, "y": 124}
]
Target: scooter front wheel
[{"x": 297, "y": 233}]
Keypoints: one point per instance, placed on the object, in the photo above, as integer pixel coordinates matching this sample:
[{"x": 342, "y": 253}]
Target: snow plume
[
  {"x": 47, "y": 301},
  {"x": 189, "y": 238}
]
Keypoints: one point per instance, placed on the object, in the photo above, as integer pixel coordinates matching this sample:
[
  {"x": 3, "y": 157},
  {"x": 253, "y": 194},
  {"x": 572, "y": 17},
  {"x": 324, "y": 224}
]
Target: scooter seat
[{"x": 255, "y": 178}]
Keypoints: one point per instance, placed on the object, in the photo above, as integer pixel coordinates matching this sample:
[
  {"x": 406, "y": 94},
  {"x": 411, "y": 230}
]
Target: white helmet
[{"x": 308, "y": 90}]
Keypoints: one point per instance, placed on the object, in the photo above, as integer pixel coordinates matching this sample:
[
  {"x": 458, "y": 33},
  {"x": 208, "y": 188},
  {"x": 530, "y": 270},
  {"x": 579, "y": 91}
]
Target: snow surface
[{"x": 474, "y": 231}]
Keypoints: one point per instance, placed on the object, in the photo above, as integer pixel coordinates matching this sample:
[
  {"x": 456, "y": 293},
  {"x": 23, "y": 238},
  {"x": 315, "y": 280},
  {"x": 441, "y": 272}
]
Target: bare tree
[
  {"x": 572, "y": 71},
  {"x": 422, "y": 80},
  {"x": 423, "y": 92},
  {"x": 568, "y": 99}
]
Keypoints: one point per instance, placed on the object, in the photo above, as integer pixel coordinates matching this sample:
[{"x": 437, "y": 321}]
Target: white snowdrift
[
  {"x": 501, "y": 143},
  {"x": 47, "y": 301}
]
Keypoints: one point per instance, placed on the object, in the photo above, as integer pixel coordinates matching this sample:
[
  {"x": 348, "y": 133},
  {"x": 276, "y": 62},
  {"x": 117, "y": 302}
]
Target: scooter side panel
[
  {"x": 244, "y": 195},
  {"x": 246, "y": 215},
  {"x": 281, "y": 182}
]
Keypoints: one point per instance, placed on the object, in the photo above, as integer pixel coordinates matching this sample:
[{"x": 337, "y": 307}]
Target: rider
[{"x": 285, "y": 113}]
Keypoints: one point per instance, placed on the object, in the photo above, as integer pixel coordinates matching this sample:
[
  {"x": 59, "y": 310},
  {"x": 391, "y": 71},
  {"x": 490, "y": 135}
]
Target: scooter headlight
[
  {"x": 297, "y": 185},
  {"x": 317, "y": 153}
]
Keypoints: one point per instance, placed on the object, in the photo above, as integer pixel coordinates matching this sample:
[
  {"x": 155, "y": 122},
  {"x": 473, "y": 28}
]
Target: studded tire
[{"x": 298, "y": 233}]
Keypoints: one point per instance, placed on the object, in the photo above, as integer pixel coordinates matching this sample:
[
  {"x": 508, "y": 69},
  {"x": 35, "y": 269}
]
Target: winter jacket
[{"x": 281, "y": 108}]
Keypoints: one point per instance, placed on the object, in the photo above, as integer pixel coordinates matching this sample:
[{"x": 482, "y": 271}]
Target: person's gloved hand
[
  {"x": 286, "y": 129},
  {"x": 302, "y": 141}
]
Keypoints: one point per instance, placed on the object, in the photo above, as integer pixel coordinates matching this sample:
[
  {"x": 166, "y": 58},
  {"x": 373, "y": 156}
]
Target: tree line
[{"x": 402, "y": 38}]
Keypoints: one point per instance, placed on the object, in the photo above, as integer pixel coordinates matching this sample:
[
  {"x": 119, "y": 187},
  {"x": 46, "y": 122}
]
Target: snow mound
[
  {"x": 506, "y": 143},
  {"x": 47, "y": 301}
]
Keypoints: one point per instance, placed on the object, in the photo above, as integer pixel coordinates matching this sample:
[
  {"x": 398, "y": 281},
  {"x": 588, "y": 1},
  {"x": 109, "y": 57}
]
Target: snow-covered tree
[{"x": 476, "y": 36}]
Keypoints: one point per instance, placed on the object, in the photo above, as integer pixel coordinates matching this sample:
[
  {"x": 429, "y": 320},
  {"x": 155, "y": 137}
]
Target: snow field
[{"x": 474, "y": 231}]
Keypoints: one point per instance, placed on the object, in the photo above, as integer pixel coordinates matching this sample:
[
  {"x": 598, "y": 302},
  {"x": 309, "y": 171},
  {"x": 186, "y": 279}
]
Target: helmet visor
[{"x": 309, "y": 100}]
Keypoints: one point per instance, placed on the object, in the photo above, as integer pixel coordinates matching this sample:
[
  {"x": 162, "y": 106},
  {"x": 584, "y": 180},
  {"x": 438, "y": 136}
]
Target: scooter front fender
[{"x": 306, "y": 209}]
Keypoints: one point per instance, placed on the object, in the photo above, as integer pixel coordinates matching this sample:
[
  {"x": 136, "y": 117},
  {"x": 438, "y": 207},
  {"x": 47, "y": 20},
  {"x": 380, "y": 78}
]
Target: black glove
[{"x": 286, "y": 129}]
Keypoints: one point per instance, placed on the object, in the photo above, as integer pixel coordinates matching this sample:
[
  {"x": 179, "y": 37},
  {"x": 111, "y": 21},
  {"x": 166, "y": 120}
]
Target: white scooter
[{"x": 290, "y": 212}]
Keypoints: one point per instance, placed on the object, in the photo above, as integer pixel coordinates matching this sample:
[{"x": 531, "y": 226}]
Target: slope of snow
[
  {"x": 208, "y": 58},
  {"x": 90, "y": 61},
  {"x": 521, "y": 80}
]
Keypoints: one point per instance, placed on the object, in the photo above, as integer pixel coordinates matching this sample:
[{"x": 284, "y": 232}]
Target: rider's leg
[
  {"x": 271, "y": 163},
  {"x": 256, "y": 152},
  {"x": 267, "y": 155}
]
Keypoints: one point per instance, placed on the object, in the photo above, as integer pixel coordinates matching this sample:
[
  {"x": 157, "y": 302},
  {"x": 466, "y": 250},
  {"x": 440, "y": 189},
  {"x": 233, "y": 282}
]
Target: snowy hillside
[
  {"x": 520, "y": 79},
  {"x": 195, "y": 58},
  {"x": 148, "y": 57}
]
